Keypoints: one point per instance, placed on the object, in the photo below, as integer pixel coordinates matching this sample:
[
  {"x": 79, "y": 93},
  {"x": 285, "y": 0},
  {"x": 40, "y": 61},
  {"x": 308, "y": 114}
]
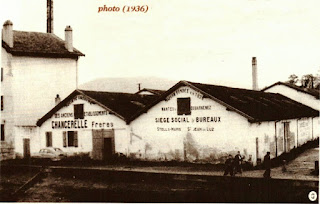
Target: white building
[
  {"x": 92, "y": 122},
  {"x": 190, "y": 121},
  {"x": 36, "y": 68},
  {"x": 307, "y": 96}
]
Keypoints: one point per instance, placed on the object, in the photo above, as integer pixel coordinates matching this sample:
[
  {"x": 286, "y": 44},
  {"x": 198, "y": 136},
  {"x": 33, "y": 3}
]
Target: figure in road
[
  {"x": 267, "y": 165},
  {"x": 229, "y": 166},
  {"x": 237, "y": 163}
]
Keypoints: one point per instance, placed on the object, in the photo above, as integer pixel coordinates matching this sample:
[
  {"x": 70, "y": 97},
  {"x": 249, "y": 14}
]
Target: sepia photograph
[{"x": 158, "y": 101}]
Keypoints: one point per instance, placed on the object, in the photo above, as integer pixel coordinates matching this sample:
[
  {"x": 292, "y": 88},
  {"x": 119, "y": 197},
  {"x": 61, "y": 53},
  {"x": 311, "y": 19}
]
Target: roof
[
  {"x": 313, "y": 92},
  {"x": 256, "y": 106},
  {"x": 153, "y": 91},
  {"x": 123, "y": 105},
  {"x": 39, "y": 44}
]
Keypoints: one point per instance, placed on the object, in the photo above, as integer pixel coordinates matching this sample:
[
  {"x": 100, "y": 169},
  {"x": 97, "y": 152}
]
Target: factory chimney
[
  {"x": 254, "y": 74},
  {"x": 68, "y": 39},
  {"x": 49, "y": 16},
  {"x": 7, "y": 33},
  {"x": 57, "y": 100}
]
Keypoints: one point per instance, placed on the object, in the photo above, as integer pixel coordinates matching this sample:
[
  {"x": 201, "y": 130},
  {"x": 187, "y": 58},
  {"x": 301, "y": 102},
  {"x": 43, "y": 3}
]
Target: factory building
[
  {"x": 189, "y": 122},
  {"x": 201, "y": 122},
  {"x": 92, "y": 122},
  {"x": 37, "y": 69}
]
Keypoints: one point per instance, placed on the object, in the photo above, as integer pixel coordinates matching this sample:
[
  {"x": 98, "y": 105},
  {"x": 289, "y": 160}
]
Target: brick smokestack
[
  {"x": 49, "y": 16},
  {"x": 254, "y": 74},
  {"x": 7, "y": 33}
]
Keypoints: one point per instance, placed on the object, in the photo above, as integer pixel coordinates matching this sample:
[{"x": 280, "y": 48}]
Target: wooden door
[
  {"x": 26, "y": 148},
  {"x": 107, "y": 148}
]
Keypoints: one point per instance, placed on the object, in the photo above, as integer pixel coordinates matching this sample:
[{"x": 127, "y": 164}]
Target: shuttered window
[
  {"x": 2, "y": 132},
  {"x": 1, "y": 103},
  {"x": 75, "y": 139},
  {"x": 64, "y": 137},
  {"x": 49, "y": 139},
  {"x": 183, "y": 106},
  {"x": 78, "y": 111},
  {"x": 70, "y": 139}
]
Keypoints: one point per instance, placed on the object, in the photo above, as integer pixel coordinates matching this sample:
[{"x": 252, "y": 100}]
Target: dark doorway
[
  {"x": 103, "y": 146},
  {"x": 107, "y": 148},
  {"x": 26, "y": 148}
]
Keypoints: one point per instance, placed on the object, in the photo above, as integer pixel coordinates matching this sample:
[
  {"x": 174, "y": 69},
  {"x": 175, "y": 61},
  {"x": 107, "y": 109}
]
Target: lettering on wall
[
  {"x": 188, "y": 120},
  {"x": 186, "y": 90},
  {"x": 86, "y": 113},
  {"x": 79, "y": 124},
  {"x": 204, "y": 119},
  {"x": 81, "y": 97},
  {"x": 192, "y": 108}
]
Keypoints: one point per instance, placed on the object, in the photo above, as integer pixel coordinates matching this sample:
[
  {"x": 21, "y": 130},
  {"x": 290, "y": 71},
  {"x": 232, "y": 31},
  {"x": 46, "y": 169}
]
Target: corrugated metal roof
[
  {"x": 39, "y": 44},
  {"x": 259, "y": 105}
]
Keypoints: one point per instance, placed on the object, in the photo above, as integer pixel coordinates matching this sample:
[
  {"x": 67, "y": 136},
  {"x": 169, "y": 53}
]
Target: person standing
[
  {"x": 237, "y": 163},
  {"x": 229, "y": 166},
  {"x": 267, "y": 165}
]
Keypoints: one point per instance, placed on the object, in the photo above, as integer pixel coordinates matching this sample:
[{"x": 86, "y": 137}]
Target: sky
[{"x": 206, "y": 41}]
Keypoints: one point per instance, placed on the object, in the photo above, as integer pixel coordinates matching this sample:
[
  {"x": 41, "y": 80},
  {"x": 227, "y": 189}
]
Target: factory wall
[
  {"x": 97, "y": 124},
  {"x": 210, "y": 132}
]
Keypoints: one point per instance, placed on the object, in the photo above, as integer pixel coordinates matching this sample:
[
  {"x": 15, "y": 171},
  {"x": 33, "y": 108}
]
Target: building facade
[
  {"x": 189, "y": 122},
  {"x": 92, "y": 122},
  {"x": 199, "y": 122},
  {"x": 36, "y": 68}
]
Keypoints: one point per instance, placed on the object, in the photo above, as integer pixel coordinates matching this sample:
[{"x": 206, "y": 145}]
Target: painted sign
[
  {"x": 186, "y": 90},
  {"x": 79, "y": 124},
  {"x": 87, "y": 113}
]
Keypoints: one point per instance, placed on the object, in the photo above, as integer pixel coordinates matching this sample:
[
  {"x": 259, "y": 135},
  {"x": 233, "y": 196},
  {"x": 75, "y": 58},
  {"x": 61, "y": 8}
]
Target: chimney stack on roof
[
  {"x": 57, "y": 100},
  {"x": 68, "y": 39},
  {"x": 7, "y": 33},
  {"x": 49, "y": 16},
  {"x": 254, "y": 74}
]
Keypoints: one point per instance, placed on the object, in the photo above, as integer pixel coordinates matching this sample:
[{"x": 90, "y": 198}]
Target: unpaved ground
[
  {"x": 11, "y": 179},
  {"x": 299, "y": 169}
]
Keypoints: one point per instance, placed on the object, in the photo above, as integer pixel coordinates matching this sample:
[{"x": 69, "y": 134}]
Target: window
[
  {"x": 2, "y": 132},
  {"x": 49, "y": 139},
  {"x": 70, "y": 139},
  {"x": 2, "y": 103},
  {"x": 1, "y": 74},
  {"x": 78, "y": 111},
  {"x": 183, "y": 105}
]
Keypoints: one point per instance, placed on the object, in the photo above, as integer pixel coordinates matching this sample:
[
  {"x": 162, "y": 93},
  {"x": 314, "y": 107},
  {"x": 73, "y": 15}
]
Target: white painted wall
[
  {"x": 214, "y": 140},
  {"x": 26, "y": 132},
  {"x": 234, "y": 133},
  {"x": 7, "y": 115},
  {"x": 299, "y": 96},
  {"x": 29, "y": 88},
  {"x": 85, "y": 133},
  {"x": 36, "y": 82}
]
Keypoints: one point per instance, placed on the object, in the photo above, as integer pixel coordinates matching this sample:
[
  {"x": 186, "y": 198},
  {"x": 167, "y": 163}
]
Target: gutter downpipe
[
  {"x": 298, "y": 132},
  {"x": 276, "y": 139},
  {"x": 312, "y": 127}
]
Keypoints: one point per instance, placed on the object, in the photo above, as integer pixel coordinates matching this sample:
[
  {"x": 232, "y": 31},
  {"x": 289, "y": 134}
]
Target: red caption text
[{"x": 124, "y": 9}]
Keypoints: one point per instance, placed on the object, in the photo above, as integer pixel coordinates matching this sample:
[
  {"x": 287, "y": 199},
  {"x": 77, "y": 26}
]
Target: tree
[
  {"x": 293, "y": 79},
  {"x": 307, "y": 81}
]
